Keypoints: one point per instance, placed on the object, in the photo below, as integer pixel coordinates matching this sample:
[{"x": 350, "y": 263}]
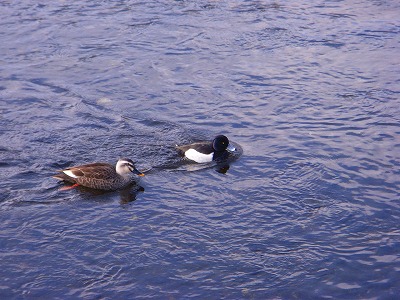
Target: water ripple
[{"x": 306, "y": 209}]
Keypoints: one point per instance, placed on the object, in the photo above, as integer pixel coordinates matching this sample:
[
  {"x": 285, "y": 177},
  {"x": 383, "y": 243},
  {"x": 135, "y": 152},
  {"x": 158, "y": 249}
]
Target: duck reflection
[
  {"x": 222, "y": 168},
  {"x": 127, "y": 195}
]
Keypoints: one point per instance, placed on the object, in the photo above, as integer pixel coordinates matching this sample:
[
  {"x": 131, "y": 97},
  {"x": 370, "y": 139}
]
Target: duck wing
[
  {"x": 101, "y": 171},
  {"x": 202, "y": 147}
]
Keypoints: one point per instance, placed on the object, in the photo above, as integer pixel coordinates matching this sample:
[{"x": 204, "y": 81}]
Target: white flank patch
[
  {"x": 70, "y": 174},
  {"x": 198, "y": 157}
]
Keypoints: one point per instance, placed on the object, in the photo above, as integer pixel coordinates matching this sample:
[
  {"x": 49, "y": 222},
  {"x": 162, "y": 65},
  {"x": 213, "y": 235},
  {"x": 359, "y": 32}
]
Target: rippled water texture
[{"x": 309, "y": 90}]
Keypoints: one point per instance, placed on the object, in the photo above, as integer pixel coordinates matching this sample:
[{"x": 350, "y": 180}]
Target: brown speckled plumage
[{"x": 101, "y": 176}]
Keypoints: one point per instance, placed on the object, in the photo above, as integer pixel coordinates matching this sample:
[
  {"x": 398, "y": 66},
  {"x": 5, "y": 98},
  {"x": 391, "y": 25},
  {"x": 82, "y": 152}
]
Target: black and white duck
[{"x": 207, "y": 151}]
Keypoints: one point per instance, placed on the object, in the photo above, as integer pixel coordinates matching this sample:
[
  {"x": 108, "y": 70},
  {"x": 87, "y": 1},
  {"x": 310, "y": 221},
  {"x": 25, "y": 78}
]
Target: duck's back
[
  {"x": 94, "y": 175},
  {"x": 202, "y": 147}
]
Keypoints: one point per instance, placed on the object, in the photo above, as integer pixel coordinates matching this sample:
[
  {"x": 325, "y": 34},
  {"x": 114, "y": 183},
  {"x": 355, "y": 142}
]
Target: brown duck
[{"x": 101, "y": 176}]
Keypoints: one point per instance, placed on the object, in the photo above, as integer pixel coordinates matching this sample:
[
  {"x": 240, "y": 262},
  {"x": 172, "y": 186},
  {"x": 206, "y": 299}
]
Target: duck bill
[
  {"x": 231, "y": 148},
  {"x": 137, "y": 172}
]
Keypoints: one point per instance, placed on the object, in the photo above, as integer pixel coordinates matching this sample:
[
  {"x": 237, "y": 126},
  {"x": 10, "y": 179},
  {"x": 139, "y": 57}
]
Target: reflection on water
[
  {"x": 306, "y": 208},
  {"x": 128, "y": 194}
]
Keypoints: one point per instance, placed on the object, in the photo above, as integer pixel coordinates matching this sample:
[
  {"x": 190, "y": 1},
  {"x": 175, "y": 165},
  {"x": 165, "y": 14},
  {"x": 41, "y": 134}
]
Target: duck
[
  {"x": 207, "y": 151},
  {"x": 101, "y": 176}
]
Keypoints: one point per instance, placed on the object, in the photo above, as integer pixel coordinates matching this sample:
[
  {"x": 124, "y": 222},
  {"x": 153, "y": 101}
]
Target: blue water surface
[{"x": 309, "y": 92}]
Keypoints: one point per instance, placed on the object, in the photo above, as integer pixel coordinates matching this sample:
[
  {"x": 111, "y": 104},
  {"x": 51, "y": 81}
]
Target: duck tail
[{"x": 63, "y": 177}]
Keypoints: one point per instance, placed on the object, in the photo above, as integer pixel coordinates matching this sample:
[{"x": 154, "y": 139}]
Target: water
[{"x": 309, "y": 91}]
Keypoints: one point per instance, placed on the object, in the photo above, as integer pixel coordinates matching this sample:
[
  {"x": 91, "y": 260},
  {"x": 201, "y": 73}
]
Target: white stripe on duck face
[{"x": 198, "y": 156}]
